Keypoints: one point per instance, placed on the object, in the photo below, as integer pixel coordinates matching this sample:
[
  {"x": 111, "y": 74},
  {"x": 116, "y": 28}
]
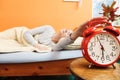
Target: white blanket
[{"x": 12, "y": 40}]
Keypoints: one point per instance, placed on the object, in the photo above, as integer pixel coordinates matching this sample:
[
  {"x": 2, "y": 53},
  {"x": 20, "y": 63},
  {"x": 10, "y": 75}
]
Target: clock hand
[
  {"x": 102, "y": 48},
  {"x": 102, "y": 58}
]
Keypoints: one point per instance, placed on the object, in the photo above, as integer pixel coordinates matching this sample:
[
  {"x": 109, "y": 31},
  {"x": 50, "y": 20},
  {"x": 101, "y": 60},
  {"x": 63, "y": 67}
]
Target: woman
[{"x": 45, "y": 35}]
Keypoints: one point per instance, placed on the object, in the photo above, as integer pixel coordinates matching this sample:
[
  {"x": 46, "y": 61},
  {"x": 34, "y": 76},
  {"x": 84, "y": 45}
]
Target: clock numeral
[
  {"x": 93, "y": 44},
  {"x": 108, "y": 57},
  {"x": 112, "y": 54},
  {"x": 93, "y": 54},
  {"x": 90, "y": 48},
  {"x": 114, "y": 48},
  {"x": 107, "y": 38},
  {"x": 102, "y": 59},
  {"x": 95, "y": 39},
  {"x": 97, "y": 57},
  {"x": 102, "y": 37},
  {"x": 112, "y": 42}
]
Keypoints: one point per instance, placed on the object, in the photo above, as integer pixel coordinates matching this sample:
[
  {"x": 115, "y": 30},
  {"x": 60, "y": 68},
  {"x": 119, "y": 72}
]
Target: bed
[{"x": 26, "y": 63}]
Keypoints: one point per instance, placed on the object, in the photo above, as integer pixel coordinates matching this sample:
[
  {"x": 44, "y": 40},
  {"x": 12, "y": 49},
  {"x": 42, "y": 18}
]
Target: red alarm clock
[{"x": 101, "y": 47}]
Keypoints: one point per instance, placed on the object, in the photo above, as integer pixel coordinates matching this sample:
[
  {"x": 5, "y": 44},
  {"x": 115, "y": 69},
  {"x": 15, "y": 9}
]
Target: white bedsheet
[{"x": 27, "y": 57}]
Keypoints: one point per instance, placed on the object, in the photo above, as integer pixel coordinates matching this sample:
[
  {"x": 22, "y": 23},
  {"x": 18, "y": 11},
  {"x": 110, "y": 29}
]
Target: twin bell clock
[{"x": 100, "y": 45}]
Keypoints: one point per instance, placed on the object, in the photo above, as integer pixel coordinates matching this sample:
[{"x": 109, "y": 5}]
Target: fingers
[
  {"x": 65, "y": 32},
  {"x": 85, "y": 25}
]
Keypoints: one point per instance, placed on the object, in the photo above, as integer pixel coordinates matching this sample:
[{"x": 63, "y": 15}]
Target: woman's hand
[
  {"x": 62, "y": 33},
  {"x": 65, "y": 32},
  {"x": 79, "y": 30}
]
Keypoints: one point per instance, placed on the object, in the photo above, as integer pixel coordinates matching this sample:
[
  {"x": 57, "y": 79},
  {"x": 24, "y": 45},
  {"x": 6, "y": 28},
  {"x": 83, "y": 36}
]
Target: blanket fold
[{"x": 12, "y": 40}]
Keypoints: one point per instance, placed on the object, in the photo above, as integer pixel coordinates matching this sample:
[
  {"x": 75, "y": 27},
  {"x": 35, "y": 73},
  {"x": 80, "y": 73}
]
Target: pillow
[{"x": 76, "y": 44}]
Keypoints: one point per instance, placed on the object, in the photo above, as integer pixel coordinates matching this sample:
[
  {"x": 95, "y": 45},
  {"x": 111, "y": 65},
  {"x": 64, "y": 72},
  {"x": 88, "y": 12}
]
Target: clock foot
[
  {"x": 113, "y": 66},
  {"x": 90, "y": 65}
]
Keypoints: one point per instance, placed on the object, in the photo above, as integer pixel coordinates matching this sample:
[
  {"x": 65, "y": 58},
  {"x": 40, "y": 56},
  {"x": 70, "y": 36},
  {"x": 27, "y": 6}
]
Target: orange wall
[{"x": 34, "y": 13}]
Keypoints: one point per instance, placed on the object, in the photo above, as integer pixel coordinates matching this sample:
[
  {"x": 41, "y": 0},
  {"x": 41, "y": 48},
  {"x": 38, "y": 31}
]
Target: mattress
[{"x": 27, "y": 57}]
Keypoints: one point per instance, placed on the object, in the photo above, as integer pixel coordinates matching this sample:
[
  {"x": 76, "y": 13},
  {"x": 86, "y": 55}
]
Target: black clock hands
[
  {"x": 102, "y": 48},
  {"x": 102, "y": 58}
]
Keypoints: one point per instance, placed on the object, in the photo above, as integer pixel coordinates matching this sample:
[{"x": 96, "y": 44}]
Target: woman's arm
[
  {"x": 62, "y": 43},
  {"x": 79, "y": 30},
  {"x": 74, "y": 35},
  {"x": 29, "y": 35}
]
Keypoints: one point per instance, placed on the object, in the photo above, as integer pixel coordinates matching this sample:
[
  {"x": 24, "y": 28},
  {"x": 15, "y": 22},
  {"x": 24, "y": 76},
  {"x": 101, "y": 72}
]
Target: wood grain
[
  {"x": 79, "y": 68},
  {"x": 60, "y": 67}
]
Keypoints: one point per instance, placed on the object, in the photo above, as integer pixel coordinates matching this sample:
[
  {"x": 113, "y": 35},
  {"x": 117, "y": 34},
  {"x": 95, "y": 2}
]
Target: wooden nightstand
[{"x": 79, "y": 68}]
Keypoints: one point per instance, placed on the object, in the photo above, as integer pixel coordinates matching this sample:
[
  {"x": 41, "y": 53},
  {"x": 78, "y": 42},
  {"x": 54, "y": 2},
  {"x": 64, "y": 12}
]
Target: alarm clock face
[{"x": 103, "y": 48}]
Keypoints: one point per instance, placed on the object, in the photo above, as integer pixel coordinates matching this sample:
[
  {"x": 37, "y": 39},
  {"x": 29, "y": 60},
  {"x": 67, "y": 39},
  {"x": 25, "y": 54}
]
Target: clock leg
[
  {"x": 113, "y": 66},
  {"x": 90, "y": 65}
]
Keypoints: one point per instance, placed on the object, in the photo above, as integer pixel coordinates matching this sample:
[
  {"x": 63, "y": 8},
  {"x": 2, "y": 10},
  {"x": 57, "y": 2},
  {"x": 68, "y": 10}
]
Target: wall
[{"x": 33, "y": 13}]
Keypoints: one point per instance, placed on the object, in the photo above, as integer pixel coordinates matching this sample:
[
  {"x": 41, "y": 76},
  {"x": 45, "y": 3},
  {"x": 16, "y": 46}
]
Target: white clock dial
[{"x": 103, "y": 48}]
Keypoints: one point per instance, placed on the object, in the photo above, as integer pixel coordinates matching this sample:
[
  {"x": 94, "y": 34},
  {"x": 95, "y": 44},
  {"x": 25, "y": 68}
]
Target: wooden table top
[{"x": 79, "y": 68}]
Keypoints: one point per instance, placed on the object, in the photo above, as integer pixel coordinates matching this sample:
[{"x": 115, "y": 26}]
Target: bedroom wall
[{"x": 33, "y": 13}]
